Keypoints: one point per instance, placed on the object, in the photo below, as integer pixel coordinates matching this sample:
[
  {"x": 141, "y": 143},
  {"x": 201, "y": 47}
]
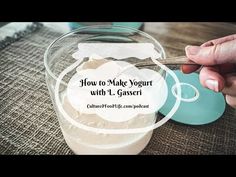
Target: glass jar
[{"x": 76, "y": 125}]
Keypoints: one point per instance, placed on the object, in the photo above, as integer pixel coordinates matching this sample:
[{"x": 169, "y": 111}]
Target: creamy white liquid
[{"x": 85, "y": 142}]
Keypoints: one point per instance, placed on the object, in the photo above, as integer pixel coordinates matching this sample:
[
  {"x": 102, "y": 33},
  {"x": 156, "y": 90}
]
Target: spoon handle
[{"x": 170, "y": 61}]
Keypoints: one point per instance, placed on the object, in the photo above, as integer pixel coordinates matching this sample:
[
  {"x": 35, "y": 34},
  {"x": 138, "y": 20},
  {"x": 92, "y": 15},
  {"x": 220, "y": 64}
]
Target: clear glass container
[{"x": 58, "y": 57}]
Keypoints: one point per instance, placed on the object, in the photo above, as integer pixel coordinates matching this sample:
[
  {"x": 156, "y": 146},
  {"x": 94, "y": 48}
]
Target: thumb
[{"x": 213, "y": 55}]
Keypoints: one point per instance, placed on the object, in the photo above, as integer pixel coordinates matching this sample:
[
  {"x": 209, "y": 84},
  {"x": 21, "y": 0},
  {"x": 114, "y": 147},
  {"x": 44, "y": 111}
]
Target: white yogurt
[{"x": 85, "y": 142}]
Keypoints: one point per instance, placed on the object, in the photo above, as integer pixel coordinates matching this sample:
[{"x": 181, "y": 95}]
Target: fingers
[
  {"x": 230, "y": 89},
  {"x": 189, "y": 68},
  {"x": 213, "y": 55},
  {"x": 210, "y": 53},
  {"x": 219, "y": 40},
  {"x": 231, "y": 100},
  {"x": 211, "y": 79},
  {"x": 223, "y": 69},
  {"x": 221, "y": 77},
  {"x": 230, "y": 85}
]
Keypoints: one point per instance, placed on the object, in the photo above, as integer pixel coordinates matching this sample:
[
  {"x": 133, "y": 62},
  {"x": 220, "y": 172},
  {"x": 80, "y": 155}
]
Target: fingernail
[
  {"x": 213, "y": 85},
  {"x": 192, "y": 50}
]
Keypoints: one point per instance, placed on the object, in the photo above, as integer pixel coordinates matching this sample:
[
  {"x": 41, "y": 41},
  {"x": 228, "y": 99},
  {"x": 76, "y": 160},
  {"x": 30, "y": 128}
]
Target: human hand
[{"x": 218, "y": 58}]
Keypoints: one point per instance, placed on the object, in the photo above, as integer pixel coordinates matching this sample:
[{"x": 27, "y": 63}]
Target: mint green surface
[
  {"x": 206, "y": 109},
  {"x": 136, "y": 25}
]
